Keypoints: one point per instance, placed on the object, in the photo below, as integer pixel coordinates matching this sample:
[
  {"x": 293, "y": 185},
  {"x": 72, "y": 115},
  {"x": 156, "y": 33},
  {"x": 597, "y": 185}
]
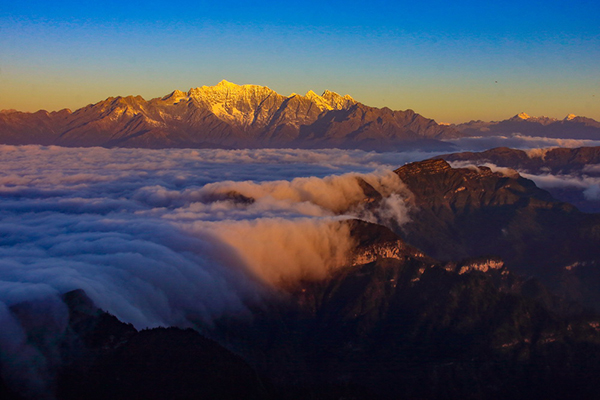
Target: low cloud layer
[
  {"x": 138, "y": 229},
  {"x": 170, "y": 237},
  {"x": 517, "y": 141}
]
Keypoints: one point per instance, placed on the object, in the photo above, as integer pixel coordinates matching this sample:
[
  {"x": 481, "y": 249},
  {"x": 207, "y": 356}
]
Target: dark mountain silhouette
[
  {"x": 105, "y": 358},
  {"x": 227, "y": 116}
]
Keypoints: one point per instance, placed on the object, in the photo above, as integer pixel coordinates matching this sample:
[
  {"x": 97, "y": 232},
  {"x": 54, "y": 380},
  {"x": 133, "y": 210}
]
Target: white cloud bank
[
  {"x": 170, "y": 237},
  {"x": 518, "y": 141},
  {"x": 141, "y": 231}
]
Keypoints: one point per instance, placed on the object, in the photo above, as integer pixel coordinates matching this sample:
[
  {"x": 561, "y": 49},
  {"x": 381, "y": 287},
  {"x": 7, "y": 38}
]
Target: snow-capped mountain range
[{"x": 225, "y": 116}]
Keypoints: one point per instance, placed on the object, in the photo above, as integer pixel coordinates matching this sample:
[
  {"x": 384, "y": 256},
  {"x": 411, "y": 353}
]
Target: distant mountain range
[
  {"x": 226, "y": 116},
  {"x": 251, "y": 116},
  {"x": 571, "y": 127}
]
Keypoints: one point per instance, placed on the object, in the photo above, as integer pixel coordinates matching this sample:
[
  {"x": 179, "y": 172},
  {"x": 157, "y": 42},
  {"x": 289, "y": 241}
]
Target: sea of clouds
[
  {"x": 171, "y": 237},
  {"x": 154, "y": 236},
  {"x": 168, "y": 237}
]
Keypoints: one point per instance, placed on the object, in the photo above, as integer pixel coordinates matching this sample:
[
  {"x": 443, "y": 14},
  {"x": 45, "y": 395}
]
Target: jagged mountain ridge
[
  {"x": 224, "y": 116},
  {"x": 572, "y": 127}
]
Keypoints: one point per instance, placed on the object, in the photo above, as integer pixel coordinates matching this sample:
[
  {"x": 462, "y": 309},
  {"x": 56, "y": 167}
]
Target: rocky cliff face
[{"x": 227, "y": 116}]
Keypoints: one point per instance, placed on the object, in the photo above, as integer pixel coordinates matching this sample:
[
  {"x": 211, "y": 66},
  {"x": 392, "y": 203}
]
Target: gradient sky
[{"x": 451, "y": 61}]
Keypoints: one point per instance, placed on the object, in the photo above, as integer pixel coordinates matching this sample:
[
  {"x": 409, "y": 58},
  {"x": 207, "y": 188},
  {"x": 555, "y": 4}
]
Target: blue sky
[{"x": 448, "y": 61}]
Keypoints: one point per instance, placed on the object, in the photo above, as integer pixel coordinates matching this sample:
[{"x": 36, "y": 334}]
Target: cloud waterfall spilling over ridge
[
  {"x": 284, "y": 230},
  {"x": 96, "y": 219},
  {"x": 283, "y": 251},
  {"x": 169, "y": 237}
]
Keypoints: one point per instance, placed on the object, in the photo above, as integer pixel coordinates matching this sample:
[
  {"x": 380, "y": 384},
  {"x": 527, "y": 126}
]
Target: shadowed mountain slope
[
  {"x": 105, "y": 358},
  {"x": 399, "y": 324}
]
